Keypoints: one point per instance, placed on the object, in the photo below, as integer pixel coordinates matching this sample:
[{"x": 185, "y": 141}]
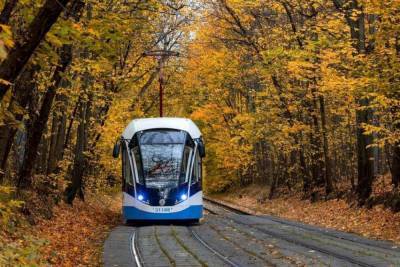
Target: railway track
[
  {"x": 304, "y": 242},
  {"x": 215, "y": 252},
  {"x": 328, "y": 232},
  {"x": 135, "y": 251},
  {"x": 224, "y": 206},
  {"x": 139, "y": 261},
  {"x": 231, "y": 237}
]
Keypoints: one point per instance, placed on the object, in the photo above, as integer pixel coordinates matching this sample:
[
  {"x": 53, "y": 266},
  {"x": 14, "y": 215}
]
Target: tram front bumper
[{"x": 162, "y": 213}]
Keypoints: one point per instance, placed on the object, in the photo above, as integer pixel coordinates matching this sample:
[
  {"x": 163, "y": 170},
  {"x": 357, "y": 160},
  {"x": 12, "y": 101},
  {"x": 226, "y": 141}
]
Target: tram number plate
[{"x": 162, "y": 209}]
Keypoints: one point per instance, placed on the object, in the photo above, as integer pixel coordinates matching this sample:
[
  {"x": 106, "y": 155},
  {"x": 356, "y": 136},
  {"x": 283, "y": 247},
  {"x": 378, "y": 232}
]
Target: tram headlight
[
  {"x": 183, "y": 197},
  {"x": 140, "y": 197}
]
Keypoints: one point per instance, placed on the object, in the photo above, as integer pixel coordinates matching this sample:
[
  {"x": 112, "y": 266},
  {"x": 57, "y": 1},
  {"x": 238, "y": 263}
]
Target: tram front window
[{"x": 162, "y": 155}]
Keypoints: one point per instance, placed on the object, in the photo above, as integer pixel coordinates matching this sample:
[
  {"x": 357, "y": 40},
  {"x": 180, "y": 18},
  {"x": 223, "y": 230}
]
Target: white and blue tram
[{"x": 162, "y": 170}]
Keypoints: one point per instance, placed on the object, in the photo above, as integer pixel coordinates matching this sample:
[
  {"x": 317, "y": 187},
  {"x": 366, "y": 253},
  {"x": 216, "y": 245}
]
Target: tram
[{"x": 161, "y": 170}]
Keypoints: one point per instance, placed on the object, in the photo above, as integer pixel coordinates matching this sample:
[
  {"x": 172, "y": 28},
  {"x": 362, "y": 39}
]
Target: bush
[
  {"x": 8, "y": 207},
  {"x": 17, "y": 248}
]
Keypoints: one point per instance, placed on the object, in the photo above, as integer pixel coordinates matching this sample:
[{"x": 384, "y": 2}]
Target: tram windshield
[{"x": 162, "y": 156}]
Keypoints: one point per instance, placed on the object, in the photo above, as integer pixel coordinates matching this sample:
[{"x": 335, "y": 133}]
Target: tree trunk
[
  {"x": 396, "y": 125},
  {"x": 57, "y": 131},
  {"x": 327, "y": 159},
  {"x": 61, "y": 133},
  {"x": 104, "y": 116},
  {"x": 21, "y": 99},
  {"x": 365, "y": 165},
  {"x": 395, "y": 162},
  {"x": 52, "y": 158},
  {"x": 317, "y": 164},
  {"x": 315, "y": 137},
  {"x": 274, "y": 184},
  {"x": 77, "y": 171},
  {"x": 41, "y": 161},
  {"x": 396, "y": 165},
  {"x": 289, "y": 116},
  {"x": 19, "y": 55},
  {"x": 81, "y": 146},
  {"x": 71, "y": 122},
  {"x": 7, "y": 10},
  {"x": 364, "y": 156},
  {"x": 35, "y": 136},
  {"x": 81, "y": 159}
]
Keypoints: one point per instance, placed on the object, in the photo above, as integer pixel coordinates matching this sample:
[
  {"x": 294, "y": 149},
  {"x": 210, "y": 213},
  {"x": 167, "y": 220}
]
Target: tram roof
[{"x": 161, "y": 123}]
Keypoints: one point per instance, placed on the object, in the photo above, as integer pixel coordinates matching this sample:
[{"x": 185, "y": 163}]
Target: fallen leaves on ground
[
  {"x": 377, "y": 222},
  {"x": 76, "y": 233}
]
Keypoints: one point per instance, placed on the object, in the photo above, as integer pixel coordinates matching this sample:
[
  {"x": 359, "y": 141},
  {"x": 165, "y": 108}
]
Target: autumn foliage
[
  {"x": 297, "y": 92},
  {"x": 375, "y": 223},
  {"x": 298, "y": 97}
]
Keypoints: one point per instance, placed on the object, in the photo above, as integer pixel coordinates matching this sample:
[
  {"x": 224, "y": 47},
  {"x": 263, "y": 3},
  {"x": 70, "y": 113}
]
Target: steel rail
[
  {"x": 225, "y": 207},
  {"x": 219, "y": 255},
  {"x": 288, "y": 239},
  {"x": 135, "y": 251},
  {"x": 327, "y": 232}
]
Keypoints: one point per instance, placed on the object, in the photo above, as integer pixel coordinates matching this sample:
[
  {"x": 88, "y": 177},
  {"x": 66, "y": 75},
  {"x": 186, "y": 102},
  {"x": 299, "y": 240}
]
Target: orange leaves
[
  {"x": 76, "y": 234},
  {"x": 374, "y": 223}
]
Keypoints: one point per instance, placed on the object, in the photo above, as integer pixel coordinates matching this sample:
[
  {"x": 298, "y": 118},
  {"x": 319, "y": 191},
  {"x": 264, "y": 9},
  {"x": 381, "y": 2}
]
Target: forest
[{"x": 290, "y": 95}]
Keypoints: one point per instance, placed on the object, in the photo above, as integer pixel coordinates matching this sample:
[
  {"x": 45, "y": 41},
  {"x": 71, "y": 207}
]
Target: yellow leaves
[
  {"x": 329, "y": 57},
  {"x": 381, "y": 101},
  {"x": 6, "y": 40},
  {"x": 6, "y": 36},
  {"x": 8, "y": 206},
  {"x": 296, "y": 128},
  {"x": 301, "y": 69},
  {"x": 53, "y": 39},
  {"x": 370, "y": 129}
]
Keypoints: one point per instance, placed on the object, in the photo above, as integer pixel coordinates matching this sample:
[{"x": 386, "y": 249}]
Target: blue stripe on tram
[{"x": 193, "y": 212}]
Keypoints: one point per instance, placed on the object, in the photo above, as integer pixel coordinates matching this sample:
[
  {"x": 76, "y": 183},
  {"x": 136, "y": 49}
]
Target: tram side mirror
[
  {"x": 202, "y": 149},
  {"x": 116, "y": 150}
]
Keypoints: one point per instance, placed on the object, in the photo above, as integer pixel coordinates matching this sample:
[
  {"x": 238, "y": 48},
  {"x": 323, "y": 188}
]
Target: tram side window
[
  {"x": 185, "y": 163},
  {"x": 139, "y": 166},
  {"x": 126, "y": 167},
  {"x": 196, "y": 174}
]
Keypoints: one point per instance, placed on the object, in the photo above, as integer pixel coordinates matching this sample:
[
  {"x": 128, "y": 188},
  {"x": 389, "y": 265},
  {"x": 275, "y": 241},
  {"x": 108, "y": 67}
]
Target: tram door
[
  {"x": 196, "y": 179},
  {"x": 127, "y": 178}
]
